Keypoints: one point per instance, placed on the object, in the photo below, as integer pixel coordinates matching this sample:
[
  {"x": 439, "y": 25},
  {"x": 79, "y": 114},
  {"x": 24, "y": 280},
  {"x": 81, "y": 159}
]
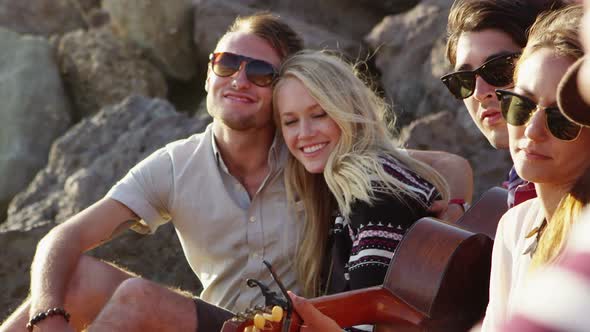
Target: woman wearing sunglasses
[
  {"x": 548, "y": 150},
  {"x": 359, "y": 193}
]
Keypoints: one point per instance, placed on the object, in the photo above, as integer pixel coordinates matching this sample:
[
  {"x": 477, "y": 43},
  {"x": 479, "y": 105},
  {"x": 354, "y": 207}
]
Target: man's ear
[{"x": 207, "y": 79}]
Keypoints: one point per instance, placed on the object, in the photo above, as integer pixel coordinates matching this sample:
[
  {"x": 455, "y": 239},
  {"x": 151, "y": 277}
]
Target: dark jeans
[{"x": 210, "y": 318}]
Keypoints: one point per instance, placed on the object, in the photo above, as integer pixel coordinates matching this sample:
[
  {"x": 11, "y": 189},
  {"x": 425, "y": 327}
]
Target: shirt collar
[
  {"x": 277, "y": 154},
  {"x": 217, "y": 154}
]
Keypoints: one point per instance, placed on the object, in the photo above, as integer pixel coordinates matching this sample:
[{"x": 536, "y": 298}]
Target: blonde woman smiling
[{"x": 359, "y": 192}]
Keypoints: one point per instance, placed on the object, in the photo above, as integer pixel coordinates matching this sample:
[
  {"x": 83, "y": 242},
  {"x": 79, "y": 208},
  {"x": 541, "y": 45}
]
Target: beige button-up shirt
[{"x": 225, "y": 235}]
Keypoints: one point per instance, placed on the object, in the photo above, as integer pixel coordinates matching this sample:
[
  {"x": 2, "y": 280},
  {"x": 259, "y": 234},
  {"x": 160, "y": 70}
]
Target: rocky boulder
[
  {"x": 410, "y": 56},
  {"x": 86, "y": 161},
  {"x": 213, "y": 17},
  {"x": 162, "y": 28},
  {"x": 83, "y": 165},
  {"x": 18, "y": 248},
  {"x": 43, "y": 17},
  {"x": 99, "y": 69},
  {"x": 336, "y": 15},
  {"x": 35, "y": 110}
]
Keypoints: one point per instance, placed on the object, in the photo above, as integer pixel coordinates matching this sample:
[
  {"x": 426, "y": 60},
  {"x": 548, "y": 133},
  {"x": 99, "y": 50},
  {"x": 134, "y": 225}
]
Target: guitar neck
[{"x": 364, "y": 306}]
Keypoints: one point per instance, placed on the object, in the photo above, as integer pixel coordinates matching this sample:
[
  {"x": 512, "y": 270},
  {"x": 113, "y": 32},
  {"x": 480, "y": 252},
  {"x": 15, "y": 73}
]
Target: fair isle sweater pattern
[
  {"x": 373, "y": 231},
  {"x": 425, "y": 190},
  {"x": 373, "y": 244},
  {"x": 363, "y": 245},
  {"x": 374, "y": 240}
]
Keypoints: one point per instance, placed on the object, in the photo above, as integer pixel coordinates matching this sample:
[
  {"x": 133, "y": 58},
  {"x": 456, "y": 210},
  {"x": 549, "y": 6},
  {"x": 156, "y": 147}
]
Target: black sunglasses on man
[{"x": 497, "y": 71}]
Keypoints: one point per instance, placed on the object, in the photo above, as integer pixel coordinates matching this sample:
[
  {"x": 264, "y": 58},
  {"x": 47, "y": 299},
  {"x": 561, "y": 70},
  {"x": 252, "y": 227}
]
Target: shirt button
[{"x": 252, "y": 219}]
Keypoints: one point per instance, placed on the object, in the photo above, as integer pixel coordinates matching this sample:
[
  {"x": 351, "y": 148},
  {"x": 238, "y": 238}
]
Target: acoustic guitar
[{"x": 438, "y": 280}]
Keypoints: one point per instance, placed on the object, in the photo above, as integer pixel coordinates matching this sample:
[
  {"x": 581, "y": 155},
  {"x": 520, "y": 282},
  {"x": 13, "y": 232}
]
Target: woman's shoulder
[
  {"x": 412, "y": 180},
  {"x": 527, "y": 210},
  {"x": 520, "y": 219},
  {"x": 398, "y": 169}
]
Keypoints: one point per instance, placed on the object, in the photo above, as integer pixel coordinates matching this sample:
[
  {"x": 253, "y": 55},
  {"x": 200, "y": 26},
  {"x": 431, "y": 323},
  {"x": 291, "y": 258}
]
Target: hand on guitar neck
[
  {"x": 363, "y": 306},
  {"x": 313, "y": 318}
]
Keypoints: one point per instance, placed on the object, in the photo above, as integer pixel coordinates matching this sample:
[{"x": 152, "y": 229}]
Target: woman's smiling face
[{"x": 309, "y": 132}]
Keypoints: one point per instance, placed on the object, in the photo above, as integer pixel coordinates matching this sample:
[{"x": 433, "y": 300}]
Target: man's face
[
  {"x": 234, "y": 100},
  {"x": 473, "y": 49}
]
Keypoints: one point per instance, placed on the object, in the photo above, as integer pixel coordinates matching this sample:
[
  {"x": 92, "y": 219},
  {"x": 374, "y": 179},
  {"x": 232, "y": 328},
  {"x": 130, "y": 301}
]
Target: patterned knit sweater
[{"x": 362, "y": 246}]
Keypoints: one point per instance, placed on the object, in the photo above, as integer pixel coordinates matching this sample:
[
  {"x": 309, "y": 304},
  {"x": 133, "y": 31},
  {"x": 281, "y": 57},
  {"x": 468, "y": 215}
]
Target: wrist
[
  {"x": 48, "y": 317},
  {"x": 460, "y": 202},
  {"x": 53, "y": 324}
]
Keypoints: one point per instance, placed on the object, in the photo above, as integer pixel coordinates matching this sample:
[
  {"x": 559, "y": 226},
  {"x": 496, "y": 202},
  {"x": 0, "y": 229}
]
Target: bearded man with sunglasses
[
  {"x": 223, "y": 190},
  {"x": 485, "y": 38}
]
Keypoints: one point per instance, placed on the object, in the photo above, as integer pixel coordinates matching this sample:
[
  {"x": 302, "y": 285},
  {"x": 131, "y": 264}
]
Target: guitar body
[
  {"x": 443, "y": 272},
  {"x": 438, "y": 278}
]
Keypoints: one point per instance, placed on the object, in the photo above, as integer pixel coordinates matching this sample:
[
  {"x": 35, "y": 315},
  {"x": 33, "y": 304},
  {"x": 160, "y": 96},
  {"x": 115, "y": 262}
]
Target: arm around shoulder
[{"x": 458, "y": 173}]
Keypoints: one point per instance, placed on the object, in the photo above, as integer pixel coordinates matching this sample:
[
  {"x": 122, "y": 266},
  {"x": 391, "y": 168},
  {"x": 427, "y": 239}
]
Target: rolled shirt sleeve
[{"x": 147, "y": 189}]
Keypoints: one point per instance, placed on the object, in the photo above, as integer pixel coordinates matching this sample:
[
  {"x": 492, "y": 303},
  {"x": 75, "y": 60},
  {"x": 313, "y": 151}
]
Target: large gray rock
[
  {"x": 18, "y": 248},
  {"x": 410, "y": 56},
  {"x": 93, "y": 155},
  {"x": 42, "y": 17},
  {"x": 100, "y": 69},
  {"x": 351, "y": 18},
  {"x": 213, "y": 17},
  {"x": 446, "y": 132},
  {"x": 83, "y": 165},
  {"x": 162, "y": 28},
  {"x": 34, "y": 110}
]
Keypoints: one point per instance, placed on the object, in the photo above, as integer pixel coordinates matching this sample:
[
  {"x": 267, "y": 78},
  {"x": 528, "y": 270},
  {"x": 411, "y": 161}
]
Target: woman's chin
[{"x": 314, "y": 169}]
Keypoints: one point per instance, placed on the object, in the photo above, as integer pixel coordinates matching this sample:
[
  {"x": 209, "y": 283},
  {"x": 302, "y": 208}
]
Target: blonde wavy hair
[
  {"x": 558, "y": 30},
  {"x": 354, "y": 165}
]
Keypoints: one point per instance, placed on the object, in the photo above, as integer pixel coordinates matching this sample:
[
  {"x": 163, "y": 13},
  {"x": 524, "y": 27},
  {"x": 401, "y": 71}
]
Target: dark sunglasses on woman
[
  {"x": 259, "y": 72},
  {"x": 517, "y": 111},
  {"x": 497, "y": 71}
]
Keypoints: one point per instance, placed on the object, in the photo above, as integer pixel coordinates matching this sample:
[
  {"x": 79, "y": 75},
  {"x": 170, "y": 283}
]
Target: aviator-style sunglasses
[
  {"x": 497, "y": 71},
  {"x": 259, "y": 72},
  {"x": 517, "y": 111}
]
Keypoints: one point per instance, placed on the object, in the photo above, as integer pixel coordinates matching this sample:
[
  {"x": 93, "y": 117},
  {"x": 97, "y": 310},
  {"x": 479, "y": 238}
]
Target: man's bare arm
[
  {"x": 120, "y": 230},
  {"x": 59, "y": 251},
  {"x": 459, "y": 175}
]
